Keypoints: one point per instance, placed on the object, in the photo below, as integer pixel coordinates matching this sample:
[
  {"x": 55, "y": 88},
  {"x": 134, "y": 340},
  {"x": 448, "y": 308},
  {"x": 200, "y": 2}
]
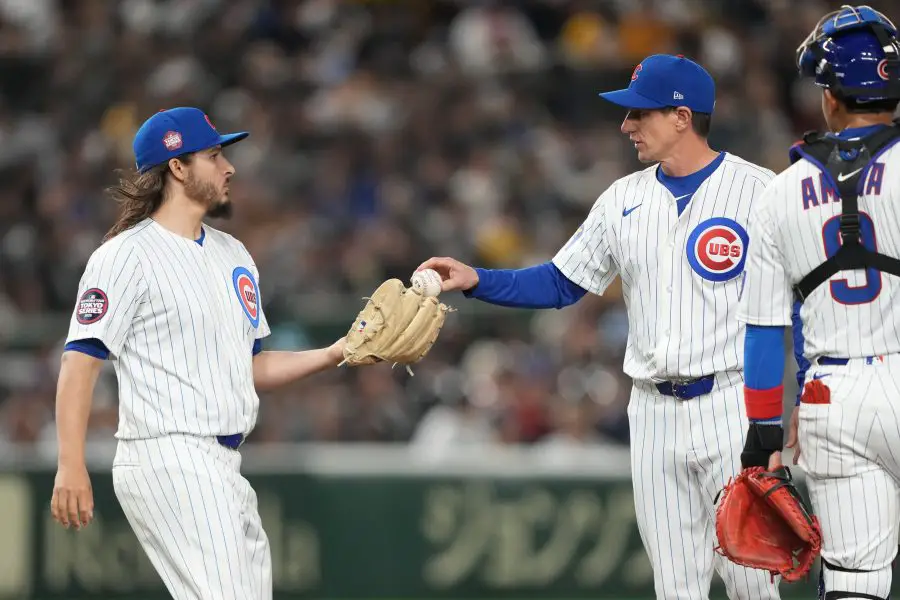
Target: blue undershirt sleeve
[
  {"x": 257, "y": 347},
  {"x": 763, "y": 357},
  {"x": 91, "y": 347},
  {"x": 541, "y": 286}
]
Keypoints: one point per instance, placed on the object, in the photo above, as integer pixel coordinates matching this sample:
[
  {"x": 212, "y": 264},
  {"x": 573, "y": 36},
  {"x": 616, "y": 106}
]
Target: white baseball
[{"x": 426, "y": 282}]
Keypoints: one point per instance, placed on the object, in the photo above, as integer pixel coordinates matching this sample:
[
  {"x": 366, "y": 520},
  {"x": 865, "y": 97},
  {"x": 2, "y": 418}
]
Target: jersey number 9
[{"x": 841, "y": 290}]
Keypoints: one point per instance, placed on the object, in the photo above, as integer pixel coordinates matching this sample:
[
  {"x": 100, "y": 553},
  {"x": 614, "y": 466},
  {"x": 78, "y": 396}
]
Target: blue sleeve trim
[
  {"x": 763, "y": 357},
  {"x": 257, "y": 347},
  {"x": 541, "y": 286},
  {"x": 91, "y": 347}
]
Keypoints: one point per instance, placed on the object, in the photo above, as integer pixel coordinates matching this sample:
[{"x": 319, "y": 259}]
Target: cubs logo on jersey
[
  {"x": 717, "y": 249},
  {"x": 248, "y": 293}
]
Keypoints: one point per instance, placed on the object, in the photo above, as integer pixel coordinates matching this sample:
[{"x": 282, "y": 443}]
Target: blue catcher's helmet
[{"x": 855, "y": 53}]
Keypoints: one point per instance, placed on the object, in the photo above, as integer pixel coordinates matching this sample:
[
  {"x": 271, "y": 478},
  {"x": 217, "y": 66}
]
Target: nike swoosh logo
[
  {"x": 628, "y": 211},
  {"x": 680, "y": 197},
  {"x": 846, "y": 176},
  {"x": 821, "y": 375}
]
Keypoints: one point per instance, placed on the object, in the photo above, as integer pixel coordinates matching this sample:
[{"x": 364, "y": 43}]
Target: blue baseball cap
[
  {"x": 664, "y": 80},
  {"x": 176, "y": 131}
]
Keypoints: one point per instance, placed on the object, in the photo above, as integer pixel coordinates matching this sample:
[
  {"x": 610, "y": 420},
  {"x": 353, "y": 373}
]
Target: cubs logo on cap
[
  {"x": 247, "y": 292},
  {"x": 717, "y": 249}
]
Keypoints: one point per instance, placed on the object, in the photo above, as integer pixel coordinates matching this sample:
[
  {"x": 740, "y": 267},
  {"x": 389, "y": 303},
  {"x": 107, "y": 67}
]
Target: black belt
[
  {"x": 232, "y": 441},
  {"x": 688, "y": 388}
]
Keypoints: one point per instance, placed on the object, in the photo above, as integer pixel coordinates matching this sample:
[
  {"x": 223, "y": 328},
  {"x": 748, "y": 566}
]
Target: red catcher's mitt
[{"x": 762, "y": 522}]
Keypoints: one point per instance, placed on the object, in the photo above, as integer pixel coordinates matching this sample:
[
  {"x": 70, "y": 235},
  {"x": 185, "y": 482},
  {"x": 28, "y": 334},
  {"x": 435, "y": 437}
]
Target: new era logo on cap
[{"x": 678, "y": 96}]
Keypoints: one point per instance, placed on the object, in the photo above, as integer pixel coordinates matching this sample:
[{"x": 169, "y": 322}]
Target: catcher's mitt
[
  {"x": 397, "y": 325},
  {"x": 764, "y": 523}
]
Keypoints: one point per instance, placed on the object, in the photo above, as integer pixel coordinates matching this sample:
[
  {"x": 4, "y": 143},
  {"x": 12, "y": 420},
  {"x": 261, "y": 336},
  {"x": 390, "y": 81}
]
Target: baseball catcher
[{"x": 397, "y": 324}]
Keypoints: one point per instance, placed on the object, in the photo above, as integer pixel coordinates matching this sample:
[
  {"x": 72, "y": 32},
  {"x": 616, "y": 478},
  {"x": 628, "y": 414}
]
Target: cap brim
[
  {"x": 230, "y": 138},
  {"x": 631, "y": 99}
]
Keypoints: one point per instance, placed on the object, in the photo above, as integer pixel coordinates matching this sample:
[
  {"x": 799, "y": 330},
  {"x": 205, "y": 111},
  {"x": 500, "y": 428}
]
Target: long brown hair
[{"x": 139, "y": 195}]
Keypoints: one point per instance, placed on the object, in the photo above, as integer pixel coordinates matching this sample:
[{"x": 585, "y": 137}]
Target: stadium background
[{"x": 382, "y": 133}]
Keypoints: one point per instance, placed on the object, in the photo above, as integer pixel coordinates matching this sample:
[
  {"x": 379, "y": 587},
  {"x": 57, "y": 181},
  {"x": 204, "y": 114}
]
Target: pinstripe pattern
[
  {"x": 850, "y": 451},
  {"x": 179, "y": 338},
  {"x": 681, "y": 324},
  {"x": 788, "y": 244},
  {"x": 849, "y": 447},
  {"x": 680, "y": 459},
  {"x": 195, "y": 516},
  {"x": 181, "y": 342}
]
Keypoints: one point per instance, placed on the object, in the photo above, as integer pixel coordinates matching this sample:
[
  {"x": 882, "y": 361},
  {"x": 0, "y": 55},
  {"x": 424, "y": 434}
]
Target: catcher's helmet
[{"x": 855, "y": 53}]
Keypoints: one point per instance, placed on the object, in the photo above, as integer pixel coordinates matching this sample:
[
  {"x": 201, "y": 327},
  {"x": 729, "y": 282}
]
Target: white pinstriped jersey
[
  {"x": 681, "y": 274},
  {"x": 180, "y": 320},
  {"x": 852, "y": 315}
]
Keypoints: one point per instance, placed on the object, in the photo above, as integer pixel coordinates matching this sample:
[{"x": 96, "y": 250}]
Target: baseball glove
[
  {"x": 396, "y": 325},
  {"x": 762, "y": 522}
]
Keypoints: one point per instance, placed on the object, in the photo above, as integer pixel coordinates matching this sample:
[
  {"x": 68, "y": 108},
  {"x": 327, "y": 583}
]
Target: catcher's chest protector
[{"x": 845, "y": 164}]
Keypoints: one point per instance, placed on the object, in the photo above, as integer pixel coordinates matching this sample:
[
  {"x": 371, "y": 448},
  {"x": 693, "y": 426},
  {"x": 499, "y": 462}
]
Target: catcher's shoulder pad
[{"x": 763, "y": 522}]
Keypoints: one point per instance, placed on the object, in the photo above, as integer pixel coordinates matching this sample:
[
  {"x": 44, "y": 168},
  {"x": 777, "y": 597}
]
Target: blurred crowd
[{"x": 382, "y": 133}]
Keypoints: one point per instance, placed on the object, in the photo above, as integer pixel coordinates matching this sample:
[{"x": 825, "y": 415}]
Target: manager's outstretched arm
[
  {"x": 584, "y": 264},
  {"x": 73, "y": 500},
  {"x": 541, "y": 286}
]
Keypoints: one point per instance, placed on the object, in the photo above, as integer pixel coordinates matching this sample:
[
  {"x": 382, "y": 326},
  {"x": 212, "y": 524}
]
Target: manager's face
[{"x": 654, "y": 132}]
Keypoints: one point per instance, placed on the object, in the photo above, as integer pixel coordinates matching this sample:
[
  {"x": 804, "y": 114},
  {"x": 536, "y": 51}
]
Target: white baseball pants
[
  {"x": 683, "y": 452},
  {"x": 196, "y": 517},
  {"x": 850, "y": 450}
]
